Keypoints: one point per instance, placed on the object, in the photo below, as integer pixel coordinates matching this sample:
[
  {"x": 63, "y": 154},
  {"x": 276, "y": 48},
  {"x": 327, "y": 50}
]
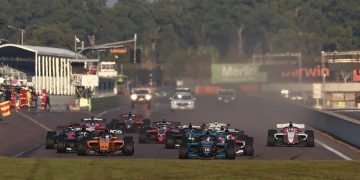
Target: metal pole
[
  {"x": 300, "y": 67},
  {"x": 22, "y": 36},
  {"x": 135, "y": 48},
  {"x": 323, "y": 79}
]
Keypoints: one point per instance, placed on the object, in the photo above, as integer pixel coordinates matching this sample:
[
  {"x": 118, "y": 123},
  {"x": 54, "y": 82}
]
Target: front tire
[
  {"x": 230, "y": 151},
  {"x": 183, "y": 151},
  {"x": 169, "y": 143},
  {"x": 50, "y": 140},
  {"x": 82, "y": 149},
  {"x": 142, "y": 136},
  {"x": 249, "y": 148},
  {"x": 271, "y": 137},
  {"x": 61, "y": 145}
]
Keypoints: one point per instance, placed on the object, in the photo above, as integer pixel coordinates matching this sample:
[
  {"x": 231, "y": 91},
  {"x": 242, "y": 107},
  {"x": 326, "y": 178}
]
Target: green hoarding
[{"x": 236, "y": 73}]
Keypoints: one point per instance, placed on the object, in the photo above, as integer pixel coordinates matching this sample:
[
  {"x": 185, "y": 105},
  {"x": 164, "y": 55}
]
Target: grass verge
[{"x": 52, "y": 168}]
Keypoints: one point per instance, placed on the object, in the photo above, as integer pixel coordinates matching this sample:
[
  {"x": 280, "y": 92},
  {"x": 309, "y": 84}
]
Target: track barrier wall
[{"x": 108, "y": 102}]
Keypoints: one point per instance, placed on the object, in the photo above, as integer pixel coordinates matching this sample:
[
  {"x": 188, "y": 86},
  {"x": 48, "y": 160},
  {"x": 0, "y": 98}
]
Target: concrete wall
[{"x": 339, "y": 126}]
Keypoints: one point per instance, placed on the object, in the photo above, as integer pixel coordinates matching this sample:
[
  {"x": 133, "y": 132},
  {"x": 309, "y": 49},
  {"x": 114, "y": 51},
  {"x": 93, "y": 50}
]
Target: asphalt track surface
[{"x": 23, "y": 134}]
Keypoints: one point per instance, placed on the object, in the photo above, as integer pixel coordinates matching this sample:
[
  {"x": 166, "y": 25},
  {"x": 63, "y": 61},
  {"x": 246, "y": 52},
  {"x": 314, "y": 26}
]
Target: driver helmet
[{"x": 190, "y": 126}]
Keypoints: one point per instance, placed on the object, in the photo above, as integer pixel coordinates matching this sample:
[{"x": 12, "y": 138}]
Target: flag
[{"x": 5, "y": 108}]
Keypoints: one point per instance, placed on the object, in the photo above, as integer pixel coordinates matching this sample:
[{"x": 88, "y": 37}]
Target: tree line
[{"x": 186, "y": 34}]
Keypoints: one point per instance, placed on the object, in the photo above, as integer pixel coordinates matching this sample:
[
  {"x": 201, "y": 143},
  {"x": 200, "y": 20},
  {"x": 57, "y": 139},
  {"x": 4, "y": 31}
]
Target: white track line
[
  {"x": 34, "y": 121},
  {"x": 28, "y": 150},
  {"x": 333, "y": 150}
]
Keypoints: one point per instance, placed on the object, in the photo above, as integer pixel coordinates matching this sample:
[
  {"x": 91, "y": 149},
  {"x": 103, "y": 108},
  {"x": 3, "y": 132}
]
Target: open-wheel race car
[
  {"x": 207, "y": 146},
  {"x": 159, "y": 132},
  {"x": 107, "y": 143},
  {"x": 187, "y": 133},
  {"x": 290, "y": 135},
  {"x": 52, "y": 137},
  {"x": 129, "y": 123}
]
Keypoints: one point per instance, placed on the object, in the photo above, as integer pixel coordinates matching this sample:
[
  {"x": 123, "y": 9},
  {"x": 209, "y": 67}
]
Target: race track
[{"x": 23, "y": 134}]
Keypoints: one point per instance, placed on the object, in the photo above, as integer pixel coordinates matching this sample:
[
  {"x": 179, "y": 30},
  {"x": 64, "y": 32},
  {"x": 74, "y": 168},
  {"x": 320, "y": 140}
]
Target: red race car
[
  {"x": 159, "y": 132},
  {"x": 129, "y": 123}
]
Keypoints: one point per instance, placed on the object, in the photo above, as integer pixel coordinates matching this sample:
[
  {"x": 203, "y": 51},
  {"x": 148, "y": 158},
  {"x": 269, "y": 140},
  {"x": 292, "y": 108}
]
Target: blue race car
[{"x": 208, "y": 147}]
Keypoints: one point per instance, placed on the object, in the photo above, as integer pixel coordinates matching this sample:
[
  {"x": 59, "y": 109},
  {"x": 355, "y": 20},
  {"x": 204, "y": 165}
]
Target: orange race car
[{"x": 107, "y": 143}]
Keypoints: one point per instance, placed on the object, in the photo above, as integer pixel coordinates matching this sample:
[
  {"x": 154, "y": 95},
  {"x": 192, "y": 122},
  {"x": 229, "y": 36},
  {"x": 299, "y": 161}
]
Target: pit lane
[{"x": 254, "y": 115}]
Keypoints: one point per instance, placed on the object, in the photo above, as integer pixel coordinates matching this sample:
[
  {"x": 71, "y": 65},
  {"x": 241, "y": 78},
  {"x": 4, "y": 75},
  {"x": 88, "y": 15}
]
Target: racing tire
[
  {"x": 82, "y": 149},
  {"x": 50, "y": 140},
  {"x": 146, "y": 123},
  {"x": 61, "y": 145},
  {"x": 170, "y": 143},
  {"x": 249, "y": 148},
  {"x": 183, "y": 151},
  {"x": 129, "y": 146},
  {"x": 310, "y": 139},
  {"x": 271, "y": 137},
  {"x": 142, "y": 136},
  {"x": 230, "y": 152}
]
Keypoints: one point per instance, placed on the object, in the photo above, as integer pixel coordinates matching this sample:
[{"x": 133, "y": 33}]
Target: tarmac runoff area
[{"x": 254, "y": 115}]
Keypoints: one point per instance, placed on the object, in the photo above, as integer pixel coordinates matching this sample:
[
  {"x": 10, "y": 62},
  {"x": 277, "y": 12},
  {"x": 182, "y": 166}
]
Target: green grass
[{"x": 48, "y": 168}]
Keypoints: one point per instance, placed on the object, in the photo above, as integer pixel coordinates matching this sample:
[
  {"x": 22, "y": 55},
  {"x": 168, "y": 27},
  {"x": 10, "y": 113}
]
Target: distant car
[
  {"x": 182, "y": 100},
  {"x": 141, "y": 96},
  {"x": 208, "y": 147},
  {"x": 129, "y": 123},
  {"x": 227, "y": 95},
  {"x": 290, "y": 135},
  {"x": 159, "y": 132},
  {"x": 107, "y": 143},
  {"x": 183, "y": 90},
  {"x": 163, "y": 91}
]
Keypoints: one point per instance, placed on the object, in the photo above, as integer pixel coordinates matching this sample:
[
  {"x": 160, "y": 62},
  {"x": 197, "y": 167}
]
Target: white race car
[{"x": 290, "y": 135}]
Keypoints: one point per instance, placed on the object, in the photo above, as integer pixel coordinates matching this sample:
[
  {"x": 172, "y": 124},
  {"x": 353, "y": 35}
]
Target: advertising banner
[{"x": 236, "y": 73}]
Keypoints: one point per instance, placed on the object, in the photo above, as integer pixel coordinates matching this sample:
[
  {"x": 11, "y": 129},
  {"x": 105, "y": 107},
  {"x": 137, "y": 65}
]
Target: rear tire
[
  {"x": 183, "y": 151},
  {"x": 249, "y": 148},
  {"x": 129, "y": 146},
  {"x": 310, "y": 139},
  {"x": 50, "y": 140},
  {"x": 230, "y": 151},
  {"x": 271, "y": 137}
]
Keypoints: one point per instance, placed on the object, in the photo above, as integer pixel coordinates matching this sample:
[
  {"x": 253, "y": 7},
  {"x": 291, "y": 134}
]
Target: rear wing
[
  {"x": 216, "y": 125},
  {"x": 92, "y": 119},
  {"x": 133, "y": 115},
  {"x": 284, "y": 125},
  {"x": 187, "y": 126},
  {"x": 169, "y": 123}
]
